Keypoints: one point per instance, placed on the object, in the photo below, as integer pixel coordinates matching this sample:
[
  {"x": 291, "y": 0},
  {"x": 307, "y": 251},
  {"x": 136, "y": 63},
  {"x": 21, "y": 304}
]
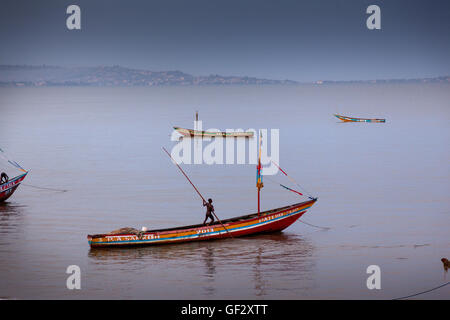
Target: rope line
[
  {"x": 413, "y": 295},
  {"x": 292, "y": 179},
  {"x": 309, "y": 224},
  {"x": 281, "y": 185},
  {"x": 287, "y": 188},
  {"x": 44, "y": 188}
]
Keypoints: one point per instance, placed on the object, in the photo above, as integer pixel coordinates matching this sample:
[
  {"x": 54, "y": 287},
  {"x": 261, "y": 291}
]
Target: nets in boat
[
  {"x": 128, "y": 230},
  {"x": 125, "y": 230}
]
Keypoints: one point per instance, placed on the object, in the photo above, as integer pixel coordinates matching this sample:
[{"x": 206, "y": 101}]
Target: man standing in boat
[{"x": 209, "y": 211}]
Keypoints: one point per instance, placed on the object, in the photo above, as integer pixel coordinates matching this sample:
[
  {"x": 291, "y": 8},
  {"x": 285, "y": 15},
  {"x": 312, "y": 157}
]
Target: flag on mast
[{"x": 259, "y": 182}]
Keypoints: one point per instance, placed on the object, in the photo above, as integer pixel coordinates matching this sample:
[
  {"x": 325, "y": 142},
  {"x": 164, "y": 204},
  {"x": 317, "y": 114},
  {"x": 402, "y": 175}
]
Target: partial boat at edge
[{"x": 7, "y": 189}]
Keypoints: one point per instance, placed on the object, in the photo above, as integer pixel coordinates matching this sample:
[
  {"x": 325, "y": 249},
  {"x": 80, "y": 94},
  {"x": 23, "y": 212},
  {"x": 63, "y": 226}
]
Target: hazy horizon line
[{"x": 222, "y": 75}]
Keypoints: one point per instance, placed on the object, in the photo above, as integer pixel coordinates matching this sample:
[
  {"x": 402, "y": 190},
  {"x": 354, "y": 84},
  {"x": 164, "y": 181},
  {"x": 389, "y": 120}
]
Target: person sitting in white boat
[
  {"x": 4, "y": 178},
  {"x": 209, "y": 211}
]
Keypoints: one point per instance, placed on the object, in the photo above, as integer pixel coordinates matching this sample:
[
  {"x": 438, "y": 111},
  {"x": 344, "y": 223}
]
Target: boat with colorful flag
[
  {"x": 9, "y": 186},
  {"x": 264, "y": 222},
  {"x": 273, "y": 220},
  {"x": 350, "y": 119}
]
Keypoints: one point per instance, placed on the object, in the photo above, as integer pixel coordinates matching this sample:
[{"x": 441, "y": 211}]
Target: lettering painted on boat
[
  {"x": 207, "y": 230},
  {"x": 133, "y": 237},
  {"x": 9, "y": 185},
  {"x": 118, "y": 238},
  {"x": 272, "y": 217}
]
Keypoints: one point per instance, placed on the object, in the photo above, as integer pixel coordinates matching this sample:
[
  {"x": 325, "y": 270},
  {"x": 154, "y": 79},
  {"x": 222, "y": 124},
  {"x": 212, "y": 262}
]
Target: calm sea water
[{"x": 382, "y": 188}]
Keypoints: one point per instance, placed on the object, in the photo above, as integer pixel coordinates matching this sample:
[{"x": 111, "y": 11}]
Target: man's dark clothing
[{"x": 209, "y": 211}]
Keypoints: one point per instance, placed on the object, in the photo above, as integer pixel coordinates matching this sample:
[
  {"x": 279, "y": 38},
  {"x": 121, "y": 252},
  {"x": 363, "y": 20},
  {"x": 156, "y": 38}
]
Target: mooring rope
[
  {"x": 416, "y": 294},
  {"x": 45, "y": 188},
  {"x": 309, "y": 224}
]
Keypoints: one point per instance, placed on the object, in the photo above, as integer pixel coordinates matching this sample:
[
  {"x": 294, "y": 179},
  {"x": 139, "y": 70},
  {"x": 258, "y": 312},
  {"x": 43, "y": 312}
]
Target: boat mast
[{"x": 196, "y": 121}]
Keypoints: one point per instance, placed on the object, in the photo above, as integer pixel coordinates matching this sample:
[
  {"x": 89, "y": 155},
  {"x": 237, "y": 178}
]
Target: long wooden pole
[
  {"x": 196, "y": 189},
  {"x": 259, "y": 208}
]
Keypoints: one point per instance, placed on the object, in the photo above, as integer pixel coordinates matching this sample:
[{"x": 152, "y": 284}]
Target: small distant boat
[
  {"x": 7, "y": 189},
  {"x": 196, "y": 133},
  {"x": 350, "y": 119},
  {"x": 199, "y": 133}
]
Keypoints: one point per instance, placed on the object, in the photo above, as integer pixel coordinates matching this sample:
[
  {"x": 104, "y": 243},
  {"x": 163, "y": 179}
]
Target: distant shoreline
[
  {"x": 116, "y": 76},
  {"x": 300, "y": 84}
]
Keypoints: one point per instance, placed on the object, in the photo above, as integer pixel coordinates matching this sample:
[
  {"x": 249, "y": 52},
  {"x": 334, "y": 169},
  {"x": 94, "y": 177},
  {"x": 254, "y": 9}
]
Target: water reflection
[
  {"x": 210, "y": 272},
  {"x": 11, "y": 216},
  {"x": 11, "y": 227},
  {"x": 264, "y": 262},
  {"x": 258, "y": 278}
]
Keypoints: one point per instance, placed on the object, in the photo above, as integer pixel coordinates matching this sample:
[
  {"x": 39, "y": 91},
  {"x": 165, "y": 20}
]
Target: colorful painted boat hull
[
  {"x": 195, "y": 133},
  {"x": 349, "y": 119},
  {"x": 7, "y": 189},
  {"x": 268, "y": 221}
]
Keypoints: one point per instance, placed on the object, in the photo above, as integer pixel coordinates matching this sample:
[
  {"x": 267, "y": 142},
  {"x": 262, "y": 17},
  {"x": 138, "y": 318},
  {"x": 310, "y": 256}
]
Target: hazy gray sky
[{"x": 280, "y": 39}]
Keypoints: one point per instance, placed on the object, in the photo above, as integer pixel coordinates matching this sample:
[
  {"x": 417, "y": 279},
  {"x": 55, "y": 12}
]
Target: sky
[{"x": 276, "y": 39}]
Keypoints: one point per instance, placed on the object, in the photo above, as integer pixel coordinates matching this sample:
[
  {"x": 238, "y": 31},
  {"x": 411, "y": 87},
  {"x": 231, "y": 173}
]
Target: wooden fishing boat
[
  {"x": 196, "y": 133},
  {"x": 349, "y": 119},
  {"x": 264, "y": 222},
  {"x": 7, "y": 189},
  {"x": 261, "y": 222}
]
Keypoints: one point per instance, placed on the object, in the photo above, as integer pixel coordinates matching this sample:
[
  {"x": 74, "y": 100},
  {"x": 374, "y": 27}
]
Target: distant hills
[
  {"x": 109, "y": 76},
  {"x": 114, "y": 76}
]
